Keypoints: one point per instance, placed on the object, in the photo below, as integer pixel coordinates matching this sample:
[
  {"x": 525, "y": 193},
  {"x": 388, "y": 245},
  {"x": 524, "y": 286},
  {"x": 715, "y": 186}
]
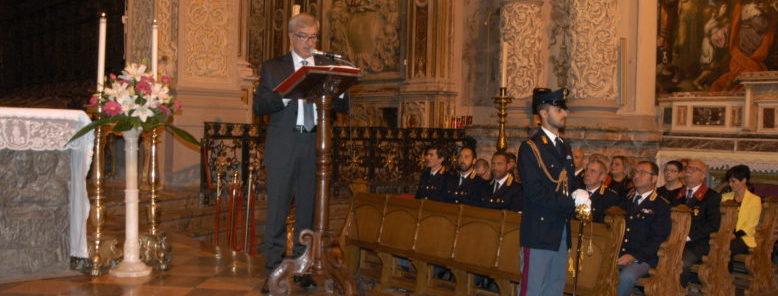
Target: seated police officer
[
  {"x": 465, "y": 186},
  {"x": 648, "y": 225},
  {"x": 435, "y": 179},
  {"x": 503, "y": 192},
  {"x": 602, "y": 197}
]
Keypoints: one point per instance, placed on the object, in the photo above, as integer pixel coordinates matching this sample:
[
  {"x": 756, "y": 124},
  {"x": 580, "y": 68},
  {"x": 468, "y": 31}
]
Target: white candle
[
  {"x": 295, "y": 9},
  {"x": 101, "y": 53},
  {"x": 154, "y": 53},
  {"x": 503, "y": 64}
]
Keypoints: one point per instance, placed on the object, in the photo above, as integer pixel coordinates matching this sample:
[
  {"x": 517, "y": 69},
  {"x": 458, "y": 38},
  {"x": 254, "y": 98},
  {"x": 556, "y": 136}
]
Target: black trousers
[{"x": 298, "y": 180}]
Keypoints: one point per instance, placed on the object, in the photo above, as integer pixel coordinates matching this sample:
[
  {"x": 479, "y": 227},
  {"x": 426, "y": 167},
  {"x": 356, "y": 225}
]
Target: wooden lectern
[{"x": 323, "y": 255}]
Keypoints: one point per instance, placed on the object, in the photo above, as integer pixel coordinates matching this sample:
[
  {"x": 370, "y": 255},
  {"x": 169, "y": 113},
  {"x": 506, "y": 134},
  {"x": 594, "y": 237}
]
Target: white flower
[
  {"x": 117, "y": 90},
  {"x": 133, "y": 72},
  {"x": 142, "y": 112},
  {"x": 161, "y": 92},
  {"x": 128, "y": 103}
]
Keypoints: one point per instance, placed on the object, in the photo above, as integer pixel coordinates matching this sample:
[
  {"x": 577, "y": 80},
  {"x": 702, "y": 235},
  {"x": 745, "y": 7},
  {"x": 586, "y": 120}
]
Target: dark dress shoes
[{"x": 305, "y": 281}]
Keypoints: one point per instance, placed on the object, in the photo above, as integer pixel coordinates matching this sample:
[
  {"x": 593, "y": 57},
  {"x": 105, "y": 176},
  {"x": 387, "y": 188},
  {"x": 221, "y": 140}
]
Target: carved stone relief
[
  {"x": 256, "y": 32},
  {"x": 365, "y": 115},
  {"x": 593, "y": 49},
  {"x": 140, "y": 14},
  {"x": 419, "y": 40},
  {"x": 521, "y": 30},
  {"x": 560, "y": 40},
  {"x": 207, "y": 48},
  {"x": 413, "y": 114},
  {"x": 166, "y": 14},
  {"x": 368, "y": 33}
]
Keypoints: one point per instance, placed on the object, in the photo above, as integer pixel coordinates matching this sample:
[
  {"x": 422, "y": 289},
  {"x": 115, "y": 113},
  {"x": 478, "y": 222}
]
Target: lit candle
[
  {"x": 504, "y": 64},
  {"x": 101, "y": 53},
  {"x": 295, "y": 9},
  {"x": 154, "y": 46}
]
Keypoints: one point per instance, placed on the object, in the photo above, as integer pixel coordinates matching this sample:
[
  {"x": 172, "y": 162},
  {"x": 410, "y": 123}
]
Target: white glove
[{"x": 581, "y": 197}]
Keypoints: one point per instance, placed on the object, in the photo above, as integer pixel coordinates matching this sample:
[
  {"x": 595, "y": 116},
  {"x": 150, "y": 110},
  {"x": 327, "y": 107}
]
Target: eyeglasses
[
  {"x": 644, "y": 172},
  {"x": 306, "y": 37}
]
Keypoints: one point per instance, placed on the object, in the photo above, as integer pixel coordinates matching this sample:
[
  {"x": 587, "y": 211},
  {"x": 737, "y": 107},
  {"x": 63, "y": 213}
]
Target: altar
[{"x": 43, "y": 202}]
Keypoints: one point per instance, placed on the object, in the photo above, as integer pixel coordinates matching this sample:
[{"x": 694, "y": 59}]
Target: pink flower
[
  {"x": 177, "y": 104},
  {"x": 93, "y": 101},
  {"x": 165, "y": 110},
  {"x": 143, "y": 87},
  {"x": 112, "y": 108},
  {"x": 165, "y": 79},
  {"x": 147, "y": 79},
  {"x": 112, "y": 76}
]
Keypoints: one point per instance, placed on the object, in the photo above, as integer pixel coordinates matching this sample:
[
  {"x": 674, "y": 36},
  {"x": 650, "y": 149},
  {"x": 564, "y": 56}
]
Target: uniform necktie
[
  {"x": 308, "y": 123},
  {"x": 689, "y": 194},
  {"x": 636, "y": 200},
  {"x": 496, "y": 186},
  {"x": 461, "y": 178},
  {"x": 558, "y": 145}
]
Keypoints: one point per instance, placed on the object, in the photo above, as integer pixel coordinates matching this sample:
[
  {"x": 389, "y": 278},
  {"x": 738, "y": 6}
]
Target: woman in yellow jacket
[{"x": 750, "y": 207}]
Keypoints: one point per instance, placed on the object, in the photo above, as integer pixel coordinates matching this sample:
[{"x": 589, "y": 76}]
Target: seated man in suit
[
  {"x": 648, "y": 225},
  {"x": 706, "y": 216},
  {"x": 435, "y": 179},
  {"x": 465, "y": 186},
  {"x": 503, "y": 192},
  {"x": 482, "y": 169},
  {"x": 578, "y": 161},
  {"x": 602, "y": 197}
]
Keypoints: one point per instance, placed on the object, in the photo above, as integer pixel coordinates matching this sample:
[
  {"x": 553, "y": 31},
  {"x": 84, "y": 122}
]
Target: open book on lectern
[{"x": 311, "y": 78}]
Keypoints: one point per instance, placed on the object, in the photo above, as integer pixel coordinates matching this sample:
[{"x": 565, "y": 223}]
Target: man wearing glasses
[{"x": 290, "y": 151}]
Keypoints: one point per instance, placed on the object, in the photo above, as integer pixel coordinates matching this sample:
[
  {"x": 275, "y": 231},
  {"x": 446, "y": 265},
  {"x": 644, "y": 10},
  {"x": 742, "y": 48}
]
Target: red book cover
[{"x": 299, "y": 76}]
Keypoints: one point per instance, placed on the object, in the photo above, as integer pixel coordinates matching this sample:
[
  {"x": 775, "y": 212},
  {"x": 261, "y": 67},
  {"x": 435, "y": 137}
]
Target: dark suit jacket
[
  {"x": 648, "y": 226},
  {"x": 622, "y": 188},
  {"x": 468, "y": 192},
  {"x": 434, "y": 187},
  {"x": 603, "y": 199},
  {"x": 706, "y": 217},
  {"x": 546, "y": 211},
  {"x": 509, "y": 196},
  {"x": 282, "y": 118}
]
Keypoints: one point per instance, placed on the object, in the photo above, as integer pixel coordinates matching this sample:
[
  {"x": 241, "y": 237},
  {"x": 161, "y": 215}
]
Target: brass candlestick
[
  {"x": 102, "y": 248},
  {"x": 502, "y": 100},
  {"x": 155, "y": 250}
]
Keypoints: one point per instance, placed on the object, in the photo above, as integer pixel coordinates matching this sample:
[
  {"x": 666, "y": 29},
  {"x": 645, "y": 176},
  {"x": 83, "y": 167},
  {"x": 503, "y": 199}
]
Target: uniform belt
[{"x": 301, "y": 129}]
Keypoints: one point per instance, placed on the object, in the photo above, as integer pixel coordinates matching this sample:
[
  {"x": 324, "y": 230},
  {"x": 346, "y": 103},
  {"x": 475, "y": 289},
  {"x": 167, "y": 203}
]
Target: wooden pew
[
  {"x": 714, "y": 271},
  {"x": 465, "y": 239},
  {"x": 605, "y": 240},
  {"x": 761, "y": 270},
  {"x": 664, "y": 280}
]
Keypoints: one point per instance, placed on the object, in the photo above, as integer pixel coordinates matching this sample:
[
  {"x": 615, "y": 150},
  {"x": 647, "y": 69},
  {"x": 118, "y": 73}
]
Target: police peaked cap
[{"x": 542, "y": 96}]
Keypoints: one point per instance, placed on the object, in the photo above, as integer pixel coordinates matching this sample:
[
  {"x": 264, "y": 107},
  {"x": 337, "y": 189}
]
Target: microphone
[{"x": 327, "y": 54}]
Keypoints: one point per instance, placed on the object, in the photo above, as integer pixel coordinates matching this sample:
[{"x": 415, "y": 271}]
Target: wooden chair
[
  {"x": 434, "y": 243},
  {"x": 714, "y": 270},
  {"x": 759, "y": 264},
  {"x": 664, "y": 280}
]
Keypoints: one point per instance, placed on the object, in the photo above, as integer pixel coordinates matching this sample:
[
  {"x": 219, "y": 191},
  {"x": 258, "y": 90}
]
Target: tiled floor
[{"x": 197, "y": 269}]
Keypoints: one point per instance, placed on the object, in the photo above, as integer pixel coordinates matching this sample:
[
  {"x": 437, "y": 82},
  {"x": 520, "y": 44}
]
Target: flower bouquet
[{"x": 135, "y": 99}]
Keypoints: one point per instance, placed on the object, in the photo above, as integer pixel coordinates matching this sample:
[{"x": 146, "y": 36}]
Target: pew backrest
[{"x": 664, "y": 280}]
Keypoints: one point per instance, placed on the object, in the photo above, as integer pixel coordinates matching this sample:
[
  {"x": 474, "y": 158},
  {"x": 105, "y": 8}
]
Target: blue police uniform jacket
[
  {"x": 602, "y": 199},
  {"x": 706, "y": 217},
  {"x": 433, "y": 187},
  {"x": 546, "y": 211},
  {"x": 468, "y": 191},
  {"x": 509, "y": 196},
  {"x": 648, "y": 225}
]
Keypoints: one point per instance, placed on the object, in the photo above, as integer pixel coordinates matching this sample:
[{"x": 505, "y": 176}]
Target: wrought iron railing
[{"x": 387, "y": 159}]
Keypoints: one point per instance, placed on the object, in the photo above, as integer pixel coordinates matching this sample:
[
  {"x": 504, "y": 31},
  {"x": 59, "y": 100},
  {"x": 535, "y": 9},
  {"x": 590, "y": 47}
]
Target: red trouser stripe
[{"x": 524, "y": 273}]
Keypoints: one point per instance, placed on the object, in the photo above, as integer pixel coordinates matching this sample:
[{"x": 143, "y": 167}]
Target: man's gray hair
[{"x": 302, "y": 20}]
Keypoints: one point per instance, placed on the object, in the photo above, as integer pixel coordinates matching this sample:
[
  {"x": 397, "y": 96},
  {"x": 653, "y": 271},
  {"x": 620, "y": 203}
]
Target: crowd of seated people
[{"x": 620, "y": 182}]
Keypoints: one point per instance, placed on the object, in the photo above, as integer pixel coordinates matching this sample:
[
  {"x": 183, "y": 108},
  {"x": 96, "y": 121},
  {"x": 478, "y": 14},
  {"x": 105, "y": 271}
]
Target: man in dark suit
[
  {"x": 503, "y": 192},
  {"x": 601, "y": 196},
  {"x": 465, "y": 186},
  {"x": 648, "y": 225},
  {"x": 290, "y": 145},
  {"x": 578, "y": 160},
  {"x": 546, "y": 169},
  {"x": 435, "y": 179},
  {"x": 706, "y": 216}
]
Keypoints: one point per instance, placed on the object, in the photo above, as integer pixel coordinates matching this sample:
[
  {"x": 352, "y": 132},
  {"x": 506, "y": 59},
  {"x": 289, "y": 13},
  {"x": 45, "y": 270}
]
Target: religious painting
[{"x": 703, "y": 45}]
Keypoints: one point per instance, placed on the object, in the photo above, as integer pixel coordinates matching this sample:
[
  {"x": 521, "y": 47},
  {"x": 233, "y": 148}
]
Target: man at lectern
[{"x": 290, "y": 145}]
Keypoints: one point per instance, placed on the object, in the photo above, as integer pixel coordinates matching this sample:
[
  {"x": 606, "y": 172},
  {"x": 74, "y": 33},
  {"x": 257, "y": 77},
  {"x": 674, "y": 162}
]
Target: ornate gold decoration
[
  {"x": 502, "y": 100},
  {"x": 154, "y": 248},
  {"x": 522, "y": 29},
  {"x": 368, "y": 32},
  {"x": 208, "y": 49},
  {"x": 101, "y": 247},
  {"x": 593, "y": 49}
]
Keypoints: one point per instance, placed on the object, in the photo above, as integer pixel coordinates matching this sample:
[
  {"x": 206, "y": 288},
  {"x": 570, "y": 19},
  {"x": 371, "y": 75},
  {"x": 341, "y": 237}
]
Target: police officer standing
[
  {"x": 550, "y": 197},
  {"x": 648, "y": 225}
]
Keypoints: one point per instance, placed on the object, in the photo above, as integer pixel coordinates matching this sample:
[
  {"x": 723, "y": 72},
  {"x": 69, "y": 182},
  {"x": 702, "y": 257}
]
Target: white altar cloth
[{"x": 41, "y": 129}]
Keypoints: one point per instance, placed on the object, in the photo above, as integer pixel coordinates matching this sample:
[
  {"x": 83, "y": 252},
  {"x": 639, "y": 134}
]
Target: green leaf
[
  {"x": 123, "y": 125},
  {"x": 87, "y": 128},
  {"x": 183, "y": 134}
]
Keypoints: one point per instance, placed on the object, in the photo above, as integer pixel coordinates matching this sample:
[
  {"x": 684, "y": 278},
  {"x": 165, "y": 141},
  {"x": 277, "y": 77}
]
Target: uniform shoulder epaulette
[
  {"x": 509, "y": 181},
  {"x": 665, "y": 199},
  {"x": 472, "y": 175}
]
